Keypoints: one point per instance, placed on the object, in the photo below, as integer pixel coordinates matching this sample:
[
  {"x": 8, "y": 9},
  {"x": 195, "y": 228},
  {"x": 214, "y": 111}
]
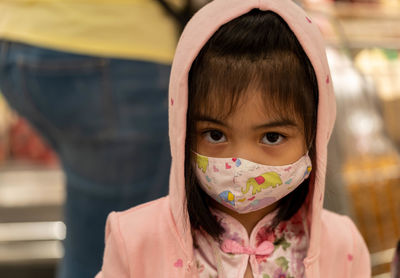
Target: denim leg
[{"x": 107, "y": 120}]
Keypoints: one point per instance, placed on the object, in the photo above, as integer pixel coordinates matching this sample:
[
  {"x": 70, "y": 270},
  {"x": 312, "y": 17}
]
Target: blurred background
[{"x": 363, "y": 48}]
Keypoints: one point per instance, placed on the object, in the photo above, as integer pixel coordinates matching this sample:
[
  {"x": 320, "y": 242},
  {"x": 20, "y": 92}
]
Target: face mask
[{"x": 245, "y": 186}]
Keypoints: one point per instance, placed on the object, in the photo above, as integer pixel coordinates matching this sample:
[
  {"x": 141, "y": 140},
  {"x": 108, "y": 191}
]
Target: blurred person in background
[{"x": 91, "y": 77}]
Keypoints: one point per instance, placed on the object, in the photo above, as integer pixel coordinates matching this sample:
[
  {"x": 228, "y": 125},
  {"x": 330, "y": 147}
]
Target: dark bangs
[{"x": 256, "y": 53}]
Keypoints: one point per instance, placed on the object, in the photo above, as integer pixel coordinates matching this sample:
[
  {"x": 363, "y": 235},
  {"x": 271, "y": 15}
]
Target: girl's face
[{"x": 250, "y": 132}]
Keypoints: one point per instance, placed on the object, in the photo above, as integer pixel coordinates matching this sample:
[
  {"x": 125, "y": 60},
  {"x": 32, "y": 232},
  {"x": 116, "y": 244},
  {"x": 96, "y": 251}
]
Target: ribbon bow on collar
[{"x": 231, "y": 246}]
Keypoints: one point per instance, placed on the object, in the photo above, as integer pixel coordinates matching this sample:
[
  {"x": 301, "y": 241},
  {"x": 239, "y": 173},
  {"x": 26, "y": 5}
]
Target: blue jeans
[{"x": 107, "y": 121}]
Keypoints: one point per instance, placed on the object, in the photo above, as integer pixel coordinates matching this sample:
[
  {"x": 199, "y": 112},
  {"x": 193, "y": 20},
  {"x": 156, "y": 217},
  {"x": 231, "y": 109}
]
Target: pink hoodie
[{"x": 154, "y": 239}]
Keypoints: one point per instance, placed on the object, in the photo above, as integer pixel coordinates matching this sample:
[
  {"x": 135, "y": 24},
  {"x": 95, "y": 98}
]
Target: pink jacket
[{"x": 154, "y": 239}]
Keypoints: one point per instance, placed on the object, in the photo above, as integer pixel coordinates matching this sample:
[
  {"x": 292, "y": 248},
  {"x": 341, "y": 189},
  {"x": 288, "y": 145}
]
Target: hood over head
[{"x": 196, "y": 34}]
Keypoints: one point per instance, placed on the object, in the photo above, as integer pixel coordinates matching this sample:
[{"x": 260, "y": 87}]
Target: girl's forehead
[{"x": 251, "y": 104}]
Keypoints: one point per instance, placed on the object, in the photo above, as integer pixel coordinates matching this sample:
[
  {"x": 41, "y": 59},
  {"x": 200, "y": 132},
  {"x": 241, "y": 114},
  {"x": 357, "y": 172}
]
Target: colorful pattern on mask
[{"x": 246, "y": 186}]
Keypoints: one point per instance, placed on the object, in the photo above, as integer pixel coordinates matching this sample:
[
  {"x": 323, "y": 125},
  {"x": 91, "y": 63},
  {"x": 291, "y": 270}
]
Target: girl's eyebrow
[
  {"x": 278, "y": 123},
  {"x": 209, "y": 119}
]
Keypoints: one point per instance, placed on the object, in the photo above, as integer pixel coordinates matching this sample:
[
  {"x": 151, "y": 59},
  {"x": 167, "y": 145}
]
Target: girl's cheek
[
  {"x": 214, "y": 150},
  {"x": 203, "y": 146},
  {"x": 287, "y": 152}
]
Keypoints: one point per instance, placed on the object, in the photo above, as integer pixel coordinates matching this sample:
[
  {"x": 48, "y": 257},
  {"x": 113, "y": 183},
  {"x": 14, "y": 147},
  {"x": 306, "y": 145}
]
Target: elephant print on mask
[
  {"x": 202, "y": 162},
  {"x": 228, "y": 197},
  {"x": 269, "y": 179}
]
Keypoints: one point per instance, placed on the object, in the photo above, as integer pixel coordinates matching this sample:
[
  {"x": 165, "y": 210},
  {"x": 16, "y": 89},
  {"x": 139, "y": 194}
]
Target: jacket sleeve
[
  {"x": 361, "y": 266},
  {"x": 115, "y": 261}
]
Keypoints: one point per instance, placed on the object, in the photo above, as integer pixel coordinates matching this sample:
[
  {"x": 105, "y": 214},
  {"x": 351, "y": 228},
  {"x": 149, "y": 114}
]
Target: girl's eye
[
  {"x": 272, "y": 138},
  {"x": 215, "y": 136}
]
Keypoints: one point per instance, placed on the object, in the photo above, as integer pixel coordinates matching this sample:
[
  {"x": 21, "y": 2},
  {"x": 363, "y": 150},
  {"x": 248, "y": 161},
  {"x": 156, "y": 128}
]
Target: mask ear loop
[{"x": 311, "y": 144}]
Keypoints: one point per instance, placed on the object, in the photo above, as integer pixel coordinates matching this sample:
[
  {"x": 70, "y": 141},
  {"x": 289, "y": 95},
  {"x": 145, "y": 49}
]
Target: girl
[{"x": 251, "y": 112}]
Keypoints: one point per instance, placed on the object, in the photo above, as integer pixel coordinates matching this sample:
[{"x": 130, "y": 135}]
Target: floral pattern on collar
[{"x": 290, "y": 240}]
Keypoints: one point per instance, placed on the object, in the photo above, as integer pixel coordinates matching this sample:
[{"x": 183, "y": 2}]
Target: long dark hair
[{"x": 259, "y": 51}]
